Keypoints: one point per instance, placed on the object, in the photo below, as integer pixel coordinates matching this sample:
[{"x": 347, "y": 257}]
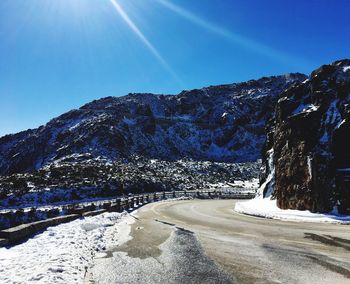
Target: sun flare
[{"x": 143, "y": 38}]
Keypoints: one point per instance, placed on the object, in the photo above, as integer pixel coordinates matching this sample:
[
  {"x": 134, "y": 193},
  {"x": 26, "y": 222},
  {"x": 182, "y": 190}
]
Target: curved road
[{"x": 205, "y": 241}]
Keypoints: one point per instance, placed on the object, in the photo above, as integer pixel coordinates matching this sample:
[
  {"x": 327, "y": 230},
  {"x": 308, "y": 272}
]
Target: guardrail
[{"x": 22, "y": 232}]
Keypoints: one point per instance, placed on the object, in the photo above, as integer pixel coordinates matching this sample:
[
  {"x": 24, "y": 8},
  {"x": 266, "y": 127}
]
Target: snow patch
[
  {"x": 75, "y": 124},
  {"x": 333, "y": 118},
  {"x": 270, "y": 180},
  {"x": 309, "y": 166},
  {"x": 302, "y": 108},
  {"x": 248, "y": 184},
  {"x": 267, "y": 208},
  {"x": 62, "y": 254},
  {"x": 340, "y": 124}
]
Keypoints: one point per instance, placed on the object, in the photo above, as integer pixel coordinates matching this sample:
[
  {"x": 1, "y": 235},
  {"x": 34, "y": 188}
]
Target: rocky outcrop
[
  {"x": 307, "y": 146},
  {"x": 217, "y": 123}
]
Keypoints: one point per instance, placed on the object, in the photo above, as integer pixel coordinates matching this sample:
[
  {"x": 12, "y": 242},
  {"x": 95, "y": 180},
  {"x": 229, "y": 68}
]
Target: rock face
[
  {"x": 306, "y": 157},
  {"x": 218, "y": 123}
]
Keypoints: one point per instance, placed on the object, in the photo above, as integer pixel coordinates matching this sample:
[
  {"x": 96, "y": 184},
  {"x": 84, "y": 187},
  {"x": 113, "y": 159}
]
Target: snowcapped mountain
[
  {"x": 307, "y": 156},
  {"x": 218, "y": 123}
]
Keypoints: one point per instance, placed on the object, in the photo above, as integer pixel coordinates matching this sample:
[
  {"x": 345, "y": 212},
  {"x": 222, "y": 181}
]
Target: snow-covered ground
[
  {"x": 62, "y": 254},
  {"x": 238, "y": 186},
  {"x": 265, "y": 207}
]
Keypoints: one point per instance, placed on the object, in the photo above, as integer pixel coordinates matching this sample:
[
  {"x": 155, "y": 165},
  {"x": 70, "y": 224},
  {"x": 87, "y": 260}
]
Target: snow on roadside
[
  {"x": 177, "y": 199},
  {"x": 62, "y": 254},
  {"x": 238, "y": 186},
  {"x": 267, "y": 208}
]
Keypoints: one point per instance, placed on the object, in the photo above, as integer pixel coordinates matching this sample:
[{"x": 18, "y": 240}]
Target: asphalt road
[{"x": 205, "y": 241}]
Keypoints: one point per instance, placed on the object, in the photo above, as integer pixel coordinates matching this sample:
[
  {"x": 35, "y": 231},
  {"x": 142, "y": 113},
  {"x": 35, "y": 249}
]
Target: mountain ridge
[{"x": 199, "y": 124}]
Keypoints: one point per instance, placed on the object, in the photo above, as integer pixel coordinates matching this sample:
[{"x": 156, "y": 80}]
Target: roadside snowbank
[
  {"x": 267, "y": 208},
  {"x": 62, "y": 253}
]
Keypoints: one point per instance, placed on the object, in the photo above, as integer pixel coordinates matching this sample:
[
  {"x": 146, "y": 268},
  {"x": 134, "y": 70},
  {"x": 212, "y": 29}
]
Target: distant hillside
[{"x": 220, "y": 123}]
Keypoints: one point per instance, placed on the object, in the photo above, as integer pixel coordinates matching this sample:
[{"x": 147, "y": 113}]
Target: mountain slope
[{"x": 218, "y": 123}]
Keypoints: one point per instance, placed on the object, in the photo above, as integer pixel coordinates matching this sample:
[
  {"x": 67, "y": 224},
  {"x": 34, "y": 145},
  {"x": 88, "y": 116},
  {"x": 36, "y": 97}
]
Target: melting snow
[
  {"x": 270, "y": 180},
  {"x": 61, "y": 254}
]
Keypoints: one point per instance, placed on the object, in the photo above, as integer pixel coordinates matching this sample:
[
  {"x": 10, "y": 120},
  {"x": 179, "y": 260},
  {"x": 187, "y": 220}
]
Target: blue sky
[{"x": 57, "y": 55}]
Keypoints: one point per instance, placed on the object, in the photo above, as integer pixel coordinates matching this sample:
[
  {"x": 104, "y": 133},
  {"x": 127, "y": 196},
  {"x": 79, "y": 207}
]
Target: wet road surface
[{"x": 205, "y": 241}]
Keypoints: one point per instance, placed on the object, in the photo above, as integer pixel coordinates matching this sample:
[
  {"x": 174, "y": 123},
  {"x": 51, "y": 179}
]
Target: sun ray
[
  {"x": 145, "y": 41},
  {"x": 245, "y": 42}
]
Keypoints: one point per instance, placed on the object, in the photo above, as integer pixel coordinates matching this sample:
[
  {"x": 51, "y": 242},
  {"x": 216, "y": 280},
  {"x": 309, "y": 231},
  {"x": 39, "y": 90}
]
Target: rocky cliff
[
  {"x": 218, "y": 123},
  {"x": 306, "y": 156}
]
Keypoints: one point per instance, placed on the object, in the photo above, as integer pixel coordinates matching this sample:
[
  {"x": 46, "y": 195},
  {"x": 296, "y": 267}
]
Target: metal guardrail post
[
  {"x": 118, "y": 201},
  {"x": 126, "y": 204}
]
